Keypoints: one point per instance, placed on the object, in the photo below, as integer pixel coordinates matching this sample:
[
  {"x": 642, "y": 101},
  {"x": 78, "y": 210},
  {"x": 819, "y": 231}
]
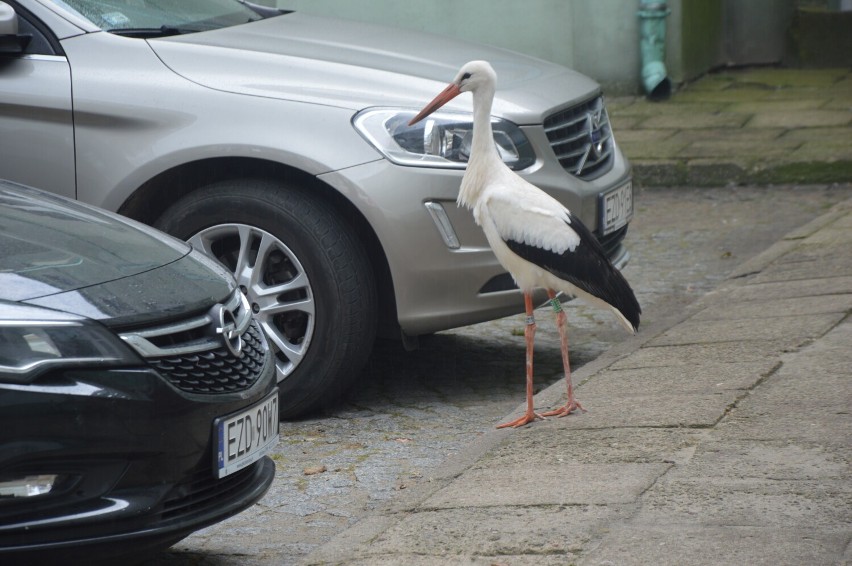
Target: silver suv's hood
[{"x": 352, "y": 65}]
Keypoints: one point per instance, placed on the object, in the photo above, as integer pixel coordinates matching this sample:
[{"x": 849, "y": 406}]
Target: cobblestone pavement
[{"x": 411, "y": 410}]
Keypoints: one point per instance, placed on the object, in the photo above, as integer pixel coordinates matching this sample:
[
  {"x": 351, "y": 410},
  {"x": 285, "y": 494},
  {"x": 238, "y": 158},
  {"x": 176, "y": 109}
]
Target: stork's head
[{"x": 471, "y": 76}]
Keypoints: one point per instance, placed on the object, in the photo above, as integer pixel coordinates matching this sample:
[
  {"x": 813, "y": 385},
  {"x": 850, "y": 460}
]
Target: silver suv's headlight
[
  {"x": 34, "y": 340},
  {"x": 441, "y": 140}
]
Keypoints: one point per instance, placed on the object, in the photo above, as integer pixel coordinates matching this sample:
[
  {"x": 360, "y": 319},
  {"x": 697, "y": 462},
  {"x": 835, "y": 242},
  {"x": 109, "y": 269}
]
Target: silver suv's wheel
[
  {"x": 307, "y": 277},
  {"x": 275, "y": 283}
]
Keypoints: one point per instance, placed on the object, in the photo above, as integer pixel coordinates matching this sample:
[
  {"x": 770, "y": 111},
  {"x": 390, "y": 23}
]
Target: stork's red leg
[
  {"x": 561, "y": 321},
  {"x": 529, "y": 333}
]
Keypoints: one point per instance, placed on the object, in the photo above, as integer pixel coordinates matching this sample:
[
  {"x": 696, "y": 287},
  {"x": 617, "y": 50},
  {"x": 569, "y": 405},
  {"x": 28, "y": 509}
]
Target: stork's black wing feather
[{"x": 586, "y": 267}]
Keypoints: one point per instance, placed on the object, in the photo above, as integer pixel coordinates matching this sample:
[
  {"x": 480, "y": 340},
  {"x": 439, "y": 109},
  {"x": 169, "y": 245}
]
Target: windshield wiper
[
  {"x": 263, "y": 11},
  {"x": 144, "y": 33}
]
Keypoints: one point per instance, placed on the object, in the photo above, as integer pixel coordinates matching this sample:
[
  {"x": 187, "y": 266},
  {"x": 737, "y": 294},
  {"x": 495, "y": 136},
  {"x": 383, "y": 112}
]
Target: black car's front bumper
[{"x": 134, "y": 458}]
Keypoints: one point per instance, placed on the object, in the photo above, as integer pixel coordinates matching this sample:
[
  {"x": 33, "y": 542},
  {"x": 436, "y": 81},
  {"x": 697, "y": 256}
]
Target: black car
[{"x": 137, "y": 393}]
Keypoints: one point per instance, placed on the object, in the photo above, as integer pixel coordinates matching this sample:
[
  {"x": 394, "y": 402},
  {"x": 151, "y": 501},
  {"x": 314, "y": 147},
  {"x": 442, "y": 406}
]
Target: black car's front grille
[
  {"x": 216, "y": 371},
  {"x": 220, "y": 351},
  {"x": 581, "y": 137}
]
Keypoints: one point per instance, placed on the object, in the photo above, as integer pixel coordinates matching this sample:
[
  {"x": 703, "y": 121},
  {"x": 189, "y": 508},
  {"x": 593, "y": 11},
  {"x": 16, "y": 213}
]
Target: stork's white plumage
[{"x": 538, "y": 240}]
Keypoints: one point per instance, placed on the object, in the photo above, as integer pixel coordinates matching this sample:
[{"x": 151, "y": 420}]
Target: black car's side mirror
[{"x": 11, "y": 42}]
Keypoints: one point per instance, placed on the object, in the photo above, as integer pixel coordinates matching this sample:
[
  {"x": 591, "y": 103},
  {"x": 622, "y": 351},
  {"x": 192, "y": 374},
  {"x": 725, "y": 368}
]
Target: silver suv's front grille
[
  {"x": 220, "y": 351},
  {"x": 581, "y": 137}
]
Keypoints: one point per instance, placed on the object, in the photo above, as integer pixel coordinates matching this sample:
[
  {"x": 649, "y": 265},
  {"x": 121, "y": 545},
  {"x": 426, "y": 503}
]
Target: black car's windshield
[{"x": 151, "y": 18}]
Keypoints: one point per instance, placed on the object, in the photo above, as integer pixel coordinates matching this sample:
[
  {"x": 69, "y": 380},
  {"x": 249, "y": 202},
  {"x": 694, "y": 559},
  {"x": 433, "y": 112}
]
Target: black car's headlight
[
  {"x": 441, "y": 140},
  {"x": 34, "y": 340}
]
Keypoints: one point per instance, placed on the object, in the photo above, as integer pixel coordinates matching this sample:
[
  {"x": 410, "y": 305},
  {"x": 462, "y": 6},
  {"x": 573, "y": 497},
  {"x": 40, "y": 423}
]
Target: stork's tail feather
[
  {"x": 599, "y": 277},
  {"x": 623, "y": 302},
  {"x": 608, "y": 288}
]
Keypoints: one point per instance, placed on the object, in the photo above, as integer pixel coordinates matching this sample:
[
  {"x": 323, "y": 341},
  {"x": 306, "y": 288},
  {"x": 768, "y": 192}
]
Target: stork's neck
[{"x": 484, "y": 160}]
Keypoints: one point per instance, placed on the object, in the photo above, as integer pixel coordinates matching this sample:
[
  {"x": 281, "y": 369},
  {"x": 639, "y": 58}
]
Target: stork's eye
[{"x": 465, "y": 76}]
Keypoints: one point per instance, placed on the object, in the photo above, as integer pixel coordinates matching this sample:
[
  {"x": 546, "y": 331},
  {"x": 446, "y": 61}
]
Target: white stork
[{"x": 538, "y": 241}]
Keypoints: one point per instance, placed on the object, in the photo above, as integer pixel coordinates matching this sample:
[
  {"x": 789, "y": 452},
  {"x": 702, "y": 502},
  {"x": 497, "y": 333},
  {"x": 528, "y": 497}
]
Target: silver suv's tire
[{"x": 307, "y": 278}]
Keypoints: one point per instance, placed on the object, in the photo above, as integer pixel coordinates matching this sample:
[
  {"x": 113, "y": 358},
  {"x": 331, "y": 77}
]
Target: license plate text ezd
[
  {"x": 246, "y": 437},
  {"x": 616, "y": 208}
]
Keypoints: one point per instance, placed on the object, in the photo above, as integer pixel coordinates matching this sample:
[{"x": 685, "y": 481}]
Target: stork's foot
[
  {"x": 526, "y": 419},
  {"x": 565, "y": 410}
]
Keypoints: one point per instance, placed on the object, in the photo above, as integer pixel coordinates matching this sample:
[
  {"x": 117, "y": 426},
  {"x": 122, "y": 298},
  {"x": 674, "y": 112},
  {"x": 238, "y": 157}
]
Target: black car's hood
[
  {"x": 68, "y": 256},
  {"x": 51, "y": 245},
  {"x": 190, "y": 284}
]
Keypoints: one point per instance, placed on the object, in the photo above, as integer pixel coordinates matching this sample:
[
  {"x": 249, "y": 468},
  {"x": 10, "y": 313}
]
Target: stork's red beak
[{"x": 445, "y": 96}]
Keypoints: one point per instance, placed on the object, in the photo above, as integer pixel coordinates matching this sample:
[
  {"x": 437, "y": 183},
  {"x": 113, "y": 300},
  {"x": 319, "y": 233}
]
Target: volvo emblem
[
  {"x": 595, "y": 132},
  {"x": 226, "y": 324},
  {"x": 595, "y": 118}
]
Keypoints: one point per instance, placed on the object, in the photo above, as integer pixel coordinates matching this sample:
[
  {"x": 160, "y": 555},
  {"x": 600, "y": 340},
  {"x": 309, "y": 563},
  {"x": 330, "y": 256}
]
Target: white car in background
[{"x": 278, "y": 143}]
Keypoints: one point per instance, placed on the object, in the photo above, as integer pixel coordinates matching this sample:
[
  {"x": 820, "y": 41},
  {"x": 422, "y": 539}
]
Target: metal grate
[
  {"x": 218, "y": 370},
  {"x": 581, "y": 137}
]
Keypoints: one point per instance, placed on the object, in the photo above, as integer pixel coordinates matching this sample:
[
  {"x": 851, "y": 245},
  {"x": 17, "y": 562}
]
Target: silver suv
[{"x": 278, "y": 143}]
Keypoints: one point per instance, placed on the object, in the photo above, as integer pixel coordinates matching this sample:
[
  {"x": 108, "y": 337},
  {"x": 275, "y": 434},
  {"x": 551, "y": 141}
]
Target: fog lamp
[{"x": 28, "y": 486}]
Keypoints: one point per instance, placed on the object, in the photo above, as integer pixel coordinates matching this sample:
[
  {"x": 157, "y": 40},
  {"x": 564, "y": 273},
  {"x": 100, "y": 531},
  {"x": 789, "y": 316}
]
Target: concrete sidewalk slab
[
  {"x": 563, "y": 484},
  {"x": 799, "y": 306},
  {"x": 572, "y": 441},
  {"x": 690, "y": 354},
  {"x": 713, "y": 501},
  {"x": 675, "y": 545},
  {"x": 774, "y": 460},
  {"x": 493, "y": 532},
  {"x": 701, "y": 379},
  {"x": 783, "y": 289},
  {"x": 792, "y": 329}
]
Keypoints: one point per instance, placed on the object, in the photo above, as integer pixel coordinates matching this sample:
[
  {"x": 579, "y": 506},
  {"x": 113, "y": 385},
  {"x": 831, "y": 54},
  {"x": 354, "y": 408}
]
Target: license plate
[
  {"x": 616, "y": 208},
  {"x": 245, "y": 437}
]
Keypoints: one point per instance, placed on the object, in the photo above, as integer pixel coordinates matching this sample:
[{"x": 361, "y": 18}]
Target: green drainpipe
[{"x": 652, "y": 27}]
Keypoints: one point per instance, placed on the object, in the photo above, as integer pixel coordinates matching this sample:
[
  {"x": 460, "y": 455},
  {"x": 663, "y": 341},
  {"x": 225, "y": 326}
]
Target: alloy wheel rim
[{"x": 274, "y": 282}]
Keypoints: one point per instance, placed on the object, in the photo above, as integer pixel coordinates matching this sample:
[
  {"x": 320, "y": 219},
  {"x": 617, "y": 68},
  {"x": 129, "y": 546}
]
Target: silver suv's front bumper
[{"x": 444, "y": 273}]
